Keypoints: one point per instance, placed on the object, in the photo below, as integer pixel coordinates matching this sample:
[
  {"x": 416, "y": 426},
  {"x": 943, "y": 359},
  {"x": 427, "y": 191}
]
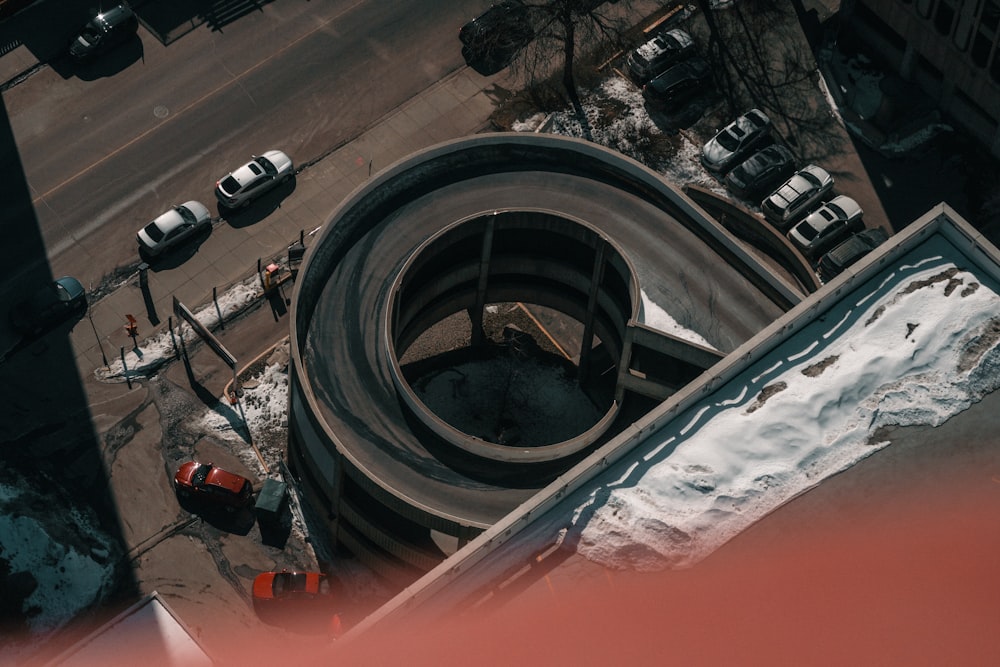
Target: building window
[
  {"x": 928, "y": 68},
  {"x": 944, "y": 16},
  {"x": 982, "y": 116},
  {"x": 981, "y": 49},
  {"x": 963, "y": 26},
  {"x": 990, "y": 16},
  {"x": 884, "y": 30}
]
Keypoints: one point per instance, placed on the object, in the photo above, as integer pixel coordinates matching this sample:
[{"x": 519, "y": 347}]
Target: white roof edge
[{"x": 67, "y": 656}]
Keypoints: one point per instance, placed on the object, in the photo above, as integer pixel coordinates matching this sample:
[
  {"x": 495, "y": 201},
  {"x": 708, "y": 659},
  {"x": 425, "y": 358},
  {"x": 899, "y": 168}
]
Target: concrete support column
[
  {"x": 624, "y": 363},
  {"x": 486, "y": 250},
  {"x": 596, "y": 278}
]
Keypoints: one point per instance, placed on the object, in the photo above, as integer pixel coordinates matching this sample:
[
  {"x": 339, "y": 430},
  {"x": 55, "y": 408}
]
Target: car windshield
[
  {"x": 90, "y": 35},
  {"x": 807, "y": 231},
  {"x": 199, "y": 476},
  {"x": 230, "y": 184},
  {"x": 153, "y": 232},
  {"x": 62, "y": 293},
  {"x": 728, "y": 139},
  {"x": 297, "y": 581},
  {"x": 288, "y": 582},
  {"x": 836, "y": 211},
  {"x": 187, "y": 215},
  {"x": 268, "y": 167}
]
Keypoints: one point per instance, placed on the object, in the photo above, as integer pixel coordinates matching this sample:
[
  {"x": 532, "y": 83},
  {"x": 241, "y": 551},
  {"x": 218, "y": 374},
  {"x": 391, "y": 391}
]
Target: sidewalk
[{"x": 456, "y": 106}]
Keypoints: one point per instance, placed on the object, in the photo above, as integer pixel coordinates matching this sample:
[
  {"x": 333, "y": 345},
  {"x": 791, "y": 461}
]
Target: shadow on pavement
[{"x": 259, "y": 208}]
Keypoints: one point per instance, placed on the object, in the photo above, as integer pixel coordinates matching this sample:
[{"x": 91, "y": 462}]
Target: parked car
[
  {"x": 270, "y": 587},
  {"x": 53, "y": 304},
  {"x": 736, "y": 141},
  {"x": 173, "y": 227},
  {"x": 761, "y": 172},
  {"x": 850, "y": 251},
  {"x": 213, "y": 485},
  {"x": 679, "y": 84},
  {"x": 104, "y": 30},
  {"x": 658, "y": 54},
  {"x": 799, "y": 194},
  {"x": 492, "y": 40},
  {"x": 826, "y": 226},
  {"x": 253, "y": 179}
]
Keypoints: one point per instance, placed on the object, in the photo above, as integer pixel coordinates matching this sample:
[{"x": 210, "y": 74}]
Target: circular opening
[
  {"x": 518, "y": 388},
  {"x": 484, "y": 334}
]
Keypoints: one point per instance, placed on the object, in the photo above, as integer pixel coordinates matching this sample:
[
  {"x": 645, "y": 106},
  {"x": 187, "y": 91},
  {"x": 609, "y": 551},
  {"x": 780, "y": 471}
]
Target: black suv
[
  {"x": 657, "y": 55},
  {"x": 850, "y": 251},
  {"x": 104, "y": 30},
  {"x": 679, "y": 84},
  {"x": 761, "y": 173},
  {"x": 491, "y": 40}
]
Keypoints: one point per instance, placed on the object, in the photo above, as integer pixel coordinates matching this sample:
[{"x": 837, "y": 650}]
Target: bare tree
[
  {"x": 762, "y": 59},
  {"x": 567, "y": 28}
]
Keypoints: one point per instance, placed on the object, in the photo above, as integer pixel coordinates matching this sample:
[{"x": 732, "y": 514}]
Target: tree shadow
[{"x": 684, "y": 118}]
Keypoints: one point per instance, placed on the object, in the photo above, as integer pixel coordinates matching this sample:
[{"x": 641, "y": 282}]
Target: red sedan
[
  {"x": 212, "y": 484},
  {"x": 287, "y": 585}
]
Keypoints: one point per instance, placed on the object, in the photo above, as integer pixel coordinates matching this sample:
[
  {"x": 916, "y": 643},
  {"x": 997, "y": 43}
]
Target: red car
[
  {"x": 212, "y": 484},
  {"x": 287, "y": 585}
]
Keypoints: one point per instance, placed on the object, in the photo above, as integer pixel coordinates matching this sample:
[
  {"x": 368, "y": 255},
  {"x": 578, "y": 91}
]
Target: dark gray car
[
  {"x": 736, "y": 142},
  {"x": 761, "y": 173},
  {"x": 104, "y": 30},
  {"x": 850, "y": 251}
]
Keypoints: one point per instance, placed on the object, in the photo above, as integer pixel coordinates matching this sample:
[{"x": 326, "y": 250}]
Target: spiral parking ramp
[{"x": 504, "y": 217}]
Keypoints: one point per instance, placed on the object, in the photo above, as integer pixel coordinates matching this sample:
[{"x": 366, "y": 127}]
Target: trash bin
[{"x": 271, "y": 499}]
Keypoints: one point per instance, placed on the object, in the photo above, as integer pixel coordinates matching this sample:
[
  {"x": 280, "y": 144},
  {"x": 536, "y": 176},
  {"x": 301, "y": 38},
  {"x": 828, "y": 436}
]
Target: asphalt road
[{"x": 106, "y": 146}]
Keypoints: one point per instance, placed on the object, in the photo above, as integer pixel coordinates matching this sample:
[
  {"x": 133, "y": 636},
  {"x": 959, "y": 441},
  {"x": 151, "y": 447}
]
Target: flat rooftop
[{"x": 813, "y": 476}]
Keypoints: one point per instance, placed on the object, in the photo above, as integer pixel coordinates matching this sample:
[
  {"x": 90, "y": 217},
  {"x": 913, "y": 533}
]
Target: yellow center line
[{"x": 198, "y": 101}]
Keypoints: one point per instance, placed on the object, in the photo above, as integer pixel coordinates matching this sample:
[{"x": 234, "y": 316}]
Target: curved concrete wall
[
  {"x": 343, "y": 463},
  {"x": 525, "y": 255}
]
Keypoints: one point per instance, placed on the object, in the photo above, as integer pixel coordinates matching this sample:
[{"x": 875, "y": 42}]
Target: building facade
[{"x": 947, "y": 47}]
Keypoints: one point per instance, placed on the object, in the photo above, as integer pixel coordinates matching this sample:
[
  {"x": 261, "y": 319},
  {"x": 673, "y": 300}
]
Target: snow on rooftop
[{"x": 916, "y": 347}]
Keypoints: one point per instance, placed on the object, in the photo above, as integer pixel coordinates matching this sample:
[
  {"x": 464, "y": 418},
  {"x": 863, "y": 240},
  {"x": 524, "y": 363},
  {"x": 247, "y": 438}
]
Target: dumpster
[{"x": 271, "y": 499}]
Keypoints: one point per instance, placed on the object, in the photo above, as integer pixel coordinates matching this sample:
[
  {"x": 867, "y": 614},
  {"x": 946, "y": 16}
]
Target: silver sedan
[
  {"x": 173, "y": 227},
  {"x": 256, "y": 177}
]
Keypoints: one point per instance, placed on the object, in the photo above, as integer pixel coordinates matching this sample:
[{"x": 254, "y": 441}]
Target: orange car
[
  {"x": 212, "y": 484},
  {"x": 287, "y": 585}
]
